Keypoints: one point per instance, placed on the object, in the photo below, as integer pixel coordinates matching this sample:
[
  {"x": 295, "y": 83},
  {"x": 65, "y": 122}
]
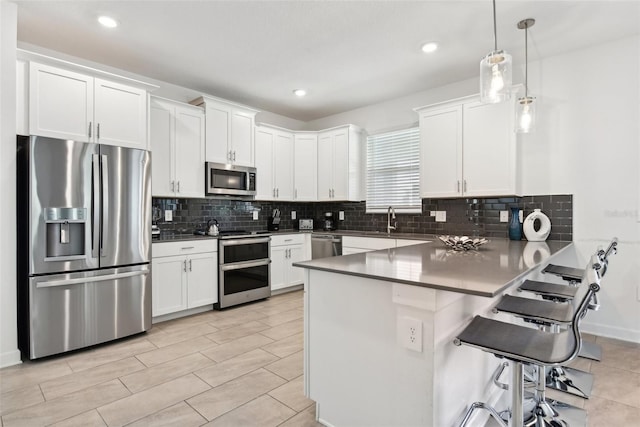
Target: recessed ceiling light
[
  {"x": 300, "y": 92},
  {"x": 429, "y": 47},
  {"x": 108, "y": 21}
]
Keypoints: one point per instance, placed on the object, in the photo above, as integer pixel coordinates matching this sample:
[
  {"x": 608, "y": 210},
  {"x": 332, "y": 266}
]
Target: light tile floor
[{"x": 238, "y": 367}]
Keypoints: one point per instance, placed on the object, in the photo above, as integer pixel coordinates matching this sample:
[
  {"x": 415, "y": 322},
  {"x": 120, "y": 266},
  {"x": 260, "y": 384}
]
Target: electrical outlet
[
  {"x": 341, "y": 215},
  {"x": 293, "y": 215},
  {"x": 409, "y": 333},
  {"x": 432, "y": 213},
  {"x": 441, "y": 216},
  {"x": 504, "y": 216},
  {"x": 520, "y": 215},
  {"x": 255, "y": 215},
  {"x": 168, "y": 215}
]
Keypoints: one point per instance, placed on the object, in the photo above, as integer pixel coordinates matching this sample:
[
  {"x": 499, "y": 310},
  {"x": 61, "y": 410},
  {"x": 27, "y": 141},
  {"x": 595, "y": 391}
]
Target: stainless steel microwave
[{"x": 229, "y": 180}]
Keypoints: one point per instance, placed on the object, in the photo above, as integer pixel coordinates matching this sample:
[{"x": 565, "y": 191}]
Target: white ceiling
[{"x": 347, "y": 54}]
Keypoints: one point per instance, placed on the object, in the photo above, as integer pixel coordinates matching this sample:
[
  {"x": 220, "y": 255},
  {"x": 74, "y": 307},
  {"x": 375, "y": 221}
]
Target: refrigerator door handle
[
  {"x": 66, "y": 282},
  {"x": 104, "y": 166},
  {"x": 95, "y": 206}
]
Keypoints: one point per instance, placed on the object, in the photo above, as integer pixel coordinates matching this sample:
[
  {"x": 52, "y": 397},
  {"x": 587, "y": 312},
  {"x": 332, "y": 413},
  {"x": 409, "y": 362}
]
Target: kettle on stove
[{"x": 212, "y": 229}]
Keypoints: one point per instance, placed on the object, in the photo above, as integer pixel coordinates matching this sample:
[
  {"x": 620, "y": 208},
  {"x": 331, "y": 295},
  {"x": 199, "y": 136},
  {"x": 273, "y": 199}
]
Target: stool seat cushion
[
  {"x": 567, "y": 273},
  {"x": 537, "y": 310},
  {"x": 553, "y": 290},
  {"x": 520, "y": 343}
]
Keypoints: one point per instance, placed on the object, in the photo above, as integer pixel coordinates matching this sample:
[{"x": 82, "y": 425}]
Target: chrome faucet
[{"x": 391, "y": 215}]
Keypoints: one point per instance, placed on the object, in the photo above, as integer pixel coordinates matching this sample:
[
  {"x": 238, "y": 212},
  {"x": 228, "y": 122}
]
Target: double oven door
[{"x": 245, "y": 270}]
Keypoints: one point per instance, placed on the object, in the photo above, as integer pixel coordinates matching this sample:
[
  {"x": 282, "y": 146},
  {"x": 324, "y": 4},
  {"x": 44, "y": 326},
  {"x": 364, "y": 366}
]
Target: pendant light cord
[
  {"x": 526, "y": 62},
  {"x": 495, "y": 30}
]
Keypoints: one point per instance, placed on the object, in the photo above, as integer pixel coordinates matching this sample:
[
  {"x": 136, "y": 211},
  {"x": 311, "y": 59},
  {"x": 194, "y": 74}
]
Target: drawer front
[
  {"x": 368, "y": 242},
  {"x": 184, "y": 247},
  {"x": 287, "y": 239}
]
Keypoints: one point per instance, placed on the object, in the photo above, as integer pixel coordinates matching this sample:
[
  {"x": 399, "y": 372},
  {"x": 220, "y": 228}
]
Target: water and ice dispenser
[{"x": 66, "y": 229}]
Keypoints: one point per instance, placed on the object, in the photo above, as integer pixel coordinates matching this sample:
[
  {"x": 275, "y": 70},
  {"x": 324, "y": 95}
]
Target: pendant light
[
  {"x": 495, "y": 71},
  {"x": 526, "y": 106}
]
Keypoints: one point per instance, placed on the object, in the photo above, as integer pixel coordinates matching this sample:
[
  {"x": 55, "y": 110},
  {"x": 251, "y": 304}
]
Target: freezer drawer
[{"x": 71, "y": 311}]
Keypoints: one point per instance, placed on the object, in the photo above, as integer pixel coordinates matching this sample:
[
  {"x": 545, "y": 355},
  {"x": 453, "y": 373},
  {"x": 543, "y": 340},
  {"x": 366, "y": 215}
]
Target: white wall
[
  {"x": 587, "y": 144},
  {"x": 9, "y": 354}
]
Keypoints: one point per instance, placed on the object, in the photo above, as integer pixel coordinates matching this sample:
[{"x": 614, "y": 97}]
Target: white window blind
[{"x": 393, "y": 171}]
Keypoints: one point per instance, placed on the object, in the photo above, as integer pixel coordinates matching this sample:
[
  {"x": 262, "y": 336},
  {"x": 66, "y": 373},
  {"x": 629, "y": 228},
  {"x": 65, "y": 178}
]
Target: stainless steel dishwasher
[{"x": 325, "y": 245}]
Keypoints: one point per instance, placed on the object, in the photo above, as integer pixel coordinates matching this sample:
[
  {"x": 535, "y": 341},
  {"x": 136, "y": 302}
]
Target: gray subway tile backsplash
[{"x": 473, "y": 217}]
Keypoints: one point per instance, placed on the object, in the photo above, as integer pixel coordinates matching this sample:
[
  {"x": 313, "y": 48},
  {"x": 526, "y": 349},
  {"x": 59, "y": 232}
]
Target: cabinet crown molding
[
  {"x": 208, "y": 99},
  {"x": 29, "y": 56}
]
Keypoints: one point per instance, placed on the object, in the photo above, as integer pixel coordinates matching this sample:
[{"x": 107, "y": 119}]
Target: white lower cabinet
[
  {"x": 285, "y": 250},
  {"x": 184, "y": 275}
]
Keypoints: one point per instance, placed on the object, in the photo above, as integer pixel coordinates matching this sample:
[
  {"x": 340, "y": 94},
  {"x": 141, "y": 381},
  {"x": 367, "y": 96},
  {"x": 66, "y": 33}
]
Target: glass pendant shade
[
  {"x": 495, "y": 77},
  {"x": 525, "y": 114}
]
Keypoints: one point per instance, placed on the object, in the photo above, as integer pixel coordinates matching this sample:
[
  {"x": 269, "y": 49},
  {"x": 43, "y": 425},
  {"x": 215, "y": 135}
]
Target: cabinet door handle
[
  {"x": 178, "y": 186},
  {"x": 295, "y": 193},
  {"x": 173, "y": 186},
  {"x": 98, "y": 131},
  {"x": 234, "y": 155},
  {"x": 229, "y": 155},
  {"x": 464, "y": 186},
  {"x": 184, "y": 265},
  {"x": 329, "y": 193},
  {"x": 90, "y": 129},
  {"x": 190, "y": 266},
  {"x": 458, "y": 181},
  {"x": 274, "y": 192},
  {"x": 278, "y": 192},
  {"x": 186, "y": 248}
]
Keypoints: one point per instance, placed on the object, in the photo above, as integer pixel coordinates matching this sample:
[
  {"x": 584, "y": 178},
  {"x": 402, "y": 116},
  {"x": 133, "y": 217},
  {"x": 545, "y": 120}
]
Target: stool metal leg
[{"x": 517, "y": 395}]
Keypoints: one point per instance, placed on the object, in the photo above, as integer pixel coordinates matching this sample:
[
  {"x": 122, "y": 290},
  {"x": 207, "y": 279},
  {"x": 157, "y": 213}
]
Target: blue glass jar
[{"x": 515, "y": 228}]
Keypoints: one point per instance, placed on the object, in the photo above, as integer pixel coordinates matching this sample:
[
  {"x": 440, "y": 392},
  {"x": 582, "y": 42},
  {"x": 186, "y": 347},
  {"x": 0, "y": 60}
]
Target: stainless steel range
[{"x": 244, "y": 268}]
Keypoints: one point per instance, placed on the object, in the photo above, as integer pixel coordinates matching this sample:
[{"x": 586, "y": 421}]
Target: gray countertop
[{"x": 485, "y": 272}]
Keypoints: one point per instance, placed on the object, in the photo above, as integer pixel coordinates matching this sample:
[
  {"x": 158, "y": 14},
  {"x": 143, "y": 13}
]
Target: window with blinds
[{"x": 393, "y": 171}]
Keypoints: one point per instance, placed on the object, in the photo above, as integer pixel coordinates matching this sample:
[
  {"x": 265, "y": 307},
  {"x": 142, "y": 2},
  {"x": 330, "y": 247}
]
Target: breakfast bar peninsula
[{"x": 379, "y": 329}]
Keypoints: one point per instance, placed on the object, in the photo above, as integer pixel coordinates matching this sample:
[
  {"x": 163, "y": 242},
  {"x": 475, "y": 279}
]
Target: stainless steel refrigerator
[{"x": 84, "y": 244}]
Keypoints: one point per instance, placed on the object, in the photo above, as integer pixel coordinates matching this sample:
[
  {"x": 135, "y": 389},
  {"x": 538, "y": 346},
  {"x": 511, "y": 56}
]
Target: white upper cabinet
[
  {"x": 274, "y": 164},
  {"x": 441, "y": 152},
  {"x": 489, "y": 152},
  {"x": 468, "y": 149},
  {"x": 340, "y": 173},
  {"x": 305, "y": 167},
  {"x": 177, "y": 146},
  {"x": 70, "y": 105},
  {"x": 229, "y": 131},
  {"x": 120, "y": 113}
]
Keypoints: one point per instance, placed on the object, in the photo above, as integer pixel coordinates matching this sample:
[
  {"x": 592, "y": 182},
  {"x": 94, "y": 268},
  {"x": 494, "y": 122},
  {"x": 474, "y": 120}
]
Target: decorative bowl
[{"x": 463, "y": 243}]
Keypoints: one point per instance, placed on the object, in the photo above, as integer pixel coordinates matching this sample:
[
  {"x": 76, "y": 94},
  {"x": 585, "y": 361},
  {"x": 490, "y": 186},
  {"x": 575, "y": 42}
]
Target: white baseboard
[
  {"x": 179, "y": 314},
  {"x": 10, "y": 358},
  {"x": 611, "y": 332}
]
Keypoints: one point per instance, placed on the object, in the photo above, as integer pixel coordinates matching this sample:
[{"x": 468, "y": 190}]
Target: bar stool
[
  {"x": 573, "y": 276},
  {"x": 523, "y": 345},
  {"x": 548, "y": 316},
  {"x": 570, "y": 380}
]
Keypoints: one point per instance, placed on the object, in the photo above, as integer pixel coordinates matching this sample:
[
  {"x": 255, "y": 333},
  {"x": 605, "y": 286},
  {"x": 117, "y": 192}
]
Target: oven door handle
[
  {"x": 240, "y": 265},
  {"x": 245, "y": 241}
]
